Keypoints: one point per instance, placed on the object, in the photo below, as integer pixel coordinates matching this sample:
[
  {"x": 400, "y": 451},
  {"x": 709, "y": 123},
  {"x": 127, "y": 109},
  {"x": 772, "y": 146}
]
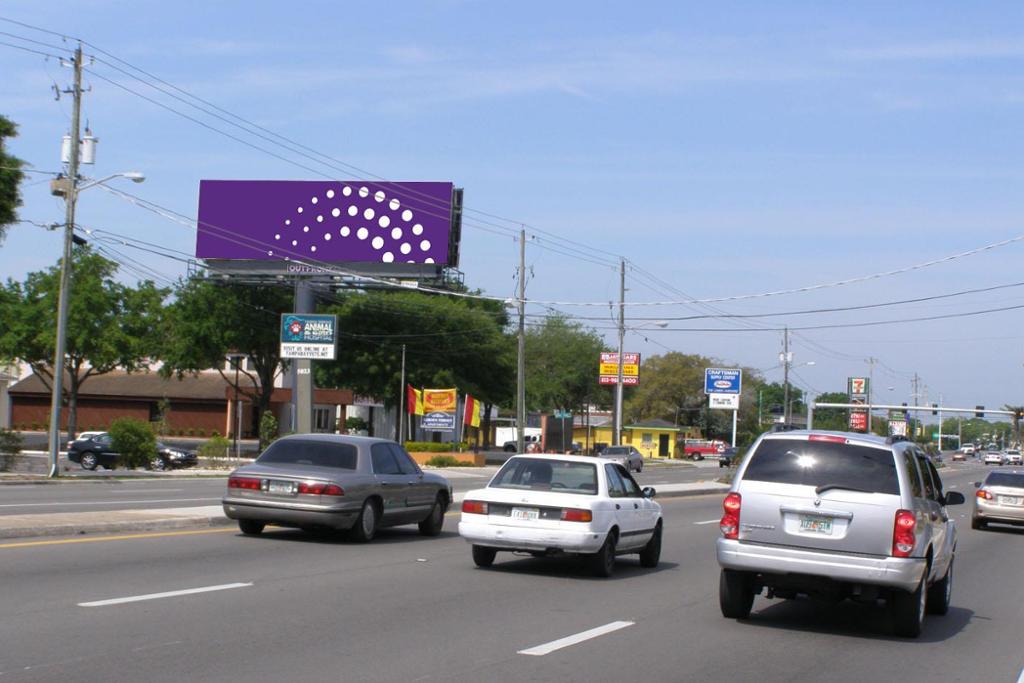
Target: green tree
[
  {"x": 671, "y": 388},
  {"x": 1018, "y": 411},
  {"x": 208, "y": 320},
  {"x": 11, "y": 176},
  {"x": 834, "y": 419},
  {"x": 134, "y": 440},
  {"x": 110, "y": 326},
  {"x": 562, "y": 364},
  {"x": 268, "y": 429},
  {"x": 449, "y": 342}
]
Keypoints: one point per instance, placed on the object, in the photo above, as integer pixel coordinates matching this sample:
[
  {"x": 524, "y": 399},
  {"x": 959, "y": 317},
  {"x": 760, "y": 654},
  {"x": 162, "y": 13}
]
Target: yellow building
[{"x": 653, "y": 438}]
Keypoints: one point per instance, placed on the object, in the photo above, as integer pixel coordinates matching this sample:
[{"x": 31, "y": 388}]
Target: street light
[
  {"x": 617, "y": 435},
  {"x": 69, "y": 188}
]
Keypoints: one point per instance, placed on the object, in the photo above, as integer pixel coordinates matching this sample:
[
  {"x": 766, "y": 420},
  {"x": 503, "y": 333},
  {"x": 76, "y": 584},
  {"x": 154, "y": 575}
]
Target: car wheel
[
  {"x": 640, "y": 468},
  {"x": 431, "y": 526},
  {"x": 366, "y": 525},
  {"x": 483, "y": 556},
  {"x": 89, "y": 461},
  {"x": 908, "y": 610},
  {"x": 651, "y": 553},
  {"x": 251, "y": 527},
  {"x": 603, "y": 561},
  {"x": 735, "y": 594},
  {"x": 159, "y": 464},
  {"x": 978, "y": 524},
  {"x": 940, "y": 593}
]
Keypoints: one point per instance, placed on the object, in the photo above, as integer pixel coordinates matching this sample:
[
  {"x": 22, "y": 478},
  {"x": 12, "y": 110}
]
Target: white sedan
[
  {"x": 1013, "y": 457},
  {"x": 994, "y": 458},
  {"x": 548, "y": 505}
]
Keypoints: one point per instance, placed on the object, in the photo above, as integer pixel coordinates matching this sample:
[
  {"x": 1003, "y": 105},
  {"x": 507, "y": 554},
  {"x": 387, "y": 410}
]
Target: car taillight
[
  {"x": 474, "y": 507},
  {"x": 577, "y": 515},
  {"x": 730, "y": 523},
  {"x": 318, "y": 489},
  {"x": 982, "y": 493},
  {"x": 903, "y": 533},
  {"x": 247, "y": 483}
]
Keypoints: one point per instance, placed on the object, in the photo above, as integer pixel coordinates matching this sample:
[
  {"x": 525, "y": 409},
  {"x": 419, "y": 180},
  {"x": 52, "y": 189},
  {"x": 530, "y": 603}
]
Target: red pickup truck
[{"x": 698, "y": 449}]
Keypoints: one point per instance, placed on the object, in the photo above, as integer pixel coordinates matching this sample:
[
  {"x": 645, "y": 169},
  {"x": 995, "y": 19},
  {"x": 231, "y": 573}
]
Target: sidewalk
[{"x": 105, "y": 522}]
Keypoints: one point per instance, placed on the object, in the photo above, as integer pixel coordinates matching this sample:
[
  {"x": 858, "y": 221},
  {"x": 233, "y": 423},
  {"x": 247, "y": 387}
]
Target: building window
[{"x": 322, "y": 420}]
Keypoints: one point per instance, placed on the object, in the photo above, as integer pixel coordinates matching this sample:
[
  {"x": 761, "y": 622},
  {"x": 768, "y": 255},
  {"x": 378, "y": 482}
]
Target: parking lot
[{"x": 288, "y": 605}]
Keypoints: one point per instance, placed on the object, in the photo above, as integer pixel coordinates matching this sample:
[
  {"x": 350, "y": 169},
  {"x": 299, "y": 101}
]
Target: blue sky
[{"x": 725, "y": 148}]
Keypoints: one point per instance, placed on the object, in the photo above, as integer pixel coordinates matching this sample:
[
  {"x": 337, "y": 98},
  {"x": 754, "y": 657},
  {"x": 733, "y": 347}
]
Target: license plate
[
  {"x": 1009, "y": 500},
  {"x": 284, "y": 488},
  {"x": 816, "y": 525},
  {"x": 525, "y": 513}
]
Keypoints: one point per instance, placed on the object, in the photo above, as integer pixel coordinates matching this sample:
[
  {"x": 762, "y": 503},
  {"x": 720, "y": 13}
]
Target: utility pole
[
  {"x": 617, "y": 436},
  {"x": 401, "y": 402},
  {"x": 786, "y": 360},
  {"x": 871, "y": 386},
  {"x": 940, "y": 423},
  {"x": 65, "y": 268},
  {"x": 521, "y": 369}
]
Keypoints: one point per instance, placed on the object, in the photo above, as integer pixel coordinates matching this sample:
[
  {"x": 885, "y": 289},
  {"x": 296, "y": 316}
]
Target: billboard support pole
[
  {"x": 401, "y": 402},
  {"x": 302, "y": 368},
  {"x": 734, "y": 428}
]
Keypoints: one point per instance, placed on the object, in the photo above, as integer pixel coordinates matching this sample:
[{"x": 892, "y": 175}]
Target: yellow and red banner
[
  {"x": 472, "y": 412},
  {"x": 439, "y": 400},
  {"x": 413, "y": 400}
]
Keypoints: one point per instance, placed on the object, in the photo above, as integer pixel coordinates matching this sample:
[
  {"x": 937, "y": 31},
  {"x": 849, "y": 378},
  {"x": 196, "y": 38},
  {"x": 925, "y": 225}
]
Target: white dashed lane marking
[
  {"x": 548, "y": 648},
  {"x": 158, "y": 596}
]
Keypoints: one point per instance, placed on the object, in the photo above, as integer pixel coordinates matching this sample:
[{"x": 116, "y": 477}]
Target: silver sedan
[
  {"x": 315, "y": 481},
  {"x": 1000, "y": 498},
  {"x": 627, "y": 456}
]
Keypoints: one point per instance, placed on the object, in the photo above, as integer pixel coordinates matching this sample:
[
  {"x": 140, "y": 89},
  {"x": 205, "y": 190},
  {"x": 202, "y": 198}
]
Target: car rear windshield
[
  {"x": 544, "y": 474},
  {"x": 1005, "y": 479},
  {"x": 615, "y": 450},
  {"x": 824, "y": 463},
  {"x": 342, "y": 456}
]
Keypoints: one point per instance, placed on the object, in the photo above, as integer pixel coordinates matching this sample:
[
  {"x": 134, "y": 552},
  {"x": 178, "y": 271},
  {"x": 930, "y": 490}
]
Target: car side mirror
[
  {"x": 649, "y": 492},
  {"x": 977, "y": 484},
  {"x": 955, "y": 498}
]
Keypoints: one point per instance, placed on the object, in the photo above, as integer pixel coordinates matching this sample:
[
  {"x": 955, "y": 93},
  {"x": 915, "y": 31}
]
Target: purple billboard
[{"x": 325, "y": 221}]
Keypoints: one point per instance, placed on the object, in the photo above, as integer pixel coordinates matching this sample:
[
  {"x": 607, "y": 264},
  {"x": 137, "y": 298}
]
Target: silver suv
[{"x": 836, "y": 515}]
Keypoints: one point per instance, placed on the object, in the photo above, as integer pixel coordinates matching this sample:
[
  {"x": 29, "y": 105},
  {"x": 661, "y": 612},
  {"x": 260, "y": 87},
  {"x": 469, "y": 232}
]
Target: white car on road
[
  {"x": 994, "y": 458},
  {"x": 1013, "y": 456},
  {"x": 549, "y": 505}
]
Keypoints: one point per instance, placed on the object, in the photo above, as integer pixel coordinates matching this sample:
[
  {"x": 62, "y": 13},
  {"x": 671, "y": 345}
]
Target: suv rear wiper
[{"x": 828, "y": 487}]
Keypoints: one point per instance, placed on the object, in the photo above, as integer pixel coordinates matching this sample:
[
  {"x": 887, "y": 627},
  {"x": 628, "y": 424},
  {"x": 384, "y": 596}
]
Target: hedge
[{"x": 431, "y": 447}]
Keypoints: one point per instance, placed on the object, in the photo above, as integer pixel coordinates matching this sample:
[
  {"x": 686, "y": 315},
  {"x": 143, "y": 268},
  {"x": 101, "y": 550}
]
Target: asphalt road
[
  {"x": 112, "y": 493},
  {"x": 291, "y": 606}
]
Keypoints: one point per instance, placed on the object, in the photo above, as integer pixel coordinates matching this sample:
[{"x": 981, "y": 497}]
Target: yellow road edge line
[{"x": 125, "y": 537}]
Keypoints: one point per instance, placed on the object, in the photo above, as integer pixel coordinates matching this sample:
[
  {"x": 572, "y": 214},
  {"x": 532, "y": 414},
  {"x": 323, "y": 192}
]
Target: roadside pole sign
[
  {"x": 439, "y": 408},
  {"x": 723, "y": 381},
  {"x": 857, "y": 388},
  {"x": 309, "y": 336},
  {"x": 609, "y": 371},
  {"x": 723, "y": 387},
  {"x": 724, "y": 401}
]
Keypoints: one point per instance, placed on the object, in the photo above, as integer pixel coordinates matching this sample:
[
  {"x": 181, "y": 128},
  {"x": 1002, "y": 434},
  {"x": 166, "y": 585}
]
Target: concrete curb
[
  {"x": 155, "y": 520},
  {"x": 157, "y": 523}
]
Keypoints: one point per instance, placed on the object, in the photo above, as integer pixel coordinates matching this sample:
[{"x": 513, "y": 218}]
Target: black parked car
[
  {"x": 96, "y": 450},
  {"x": 727, "y": 457}
]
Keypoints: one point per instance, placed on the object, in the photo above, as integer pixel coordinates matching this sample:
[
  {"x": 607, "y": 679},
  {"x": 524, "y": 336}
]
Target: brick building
[{"x": 199, "y": 405}]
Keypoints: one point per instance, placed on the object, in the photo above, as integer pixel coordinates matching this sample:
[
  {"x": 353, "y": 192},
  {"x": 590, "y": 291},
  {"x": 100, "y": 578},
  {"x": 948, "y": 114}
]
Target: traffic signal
[
  {"x": 935, "y": 409},
  {"x": 979, "y": 411}
]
